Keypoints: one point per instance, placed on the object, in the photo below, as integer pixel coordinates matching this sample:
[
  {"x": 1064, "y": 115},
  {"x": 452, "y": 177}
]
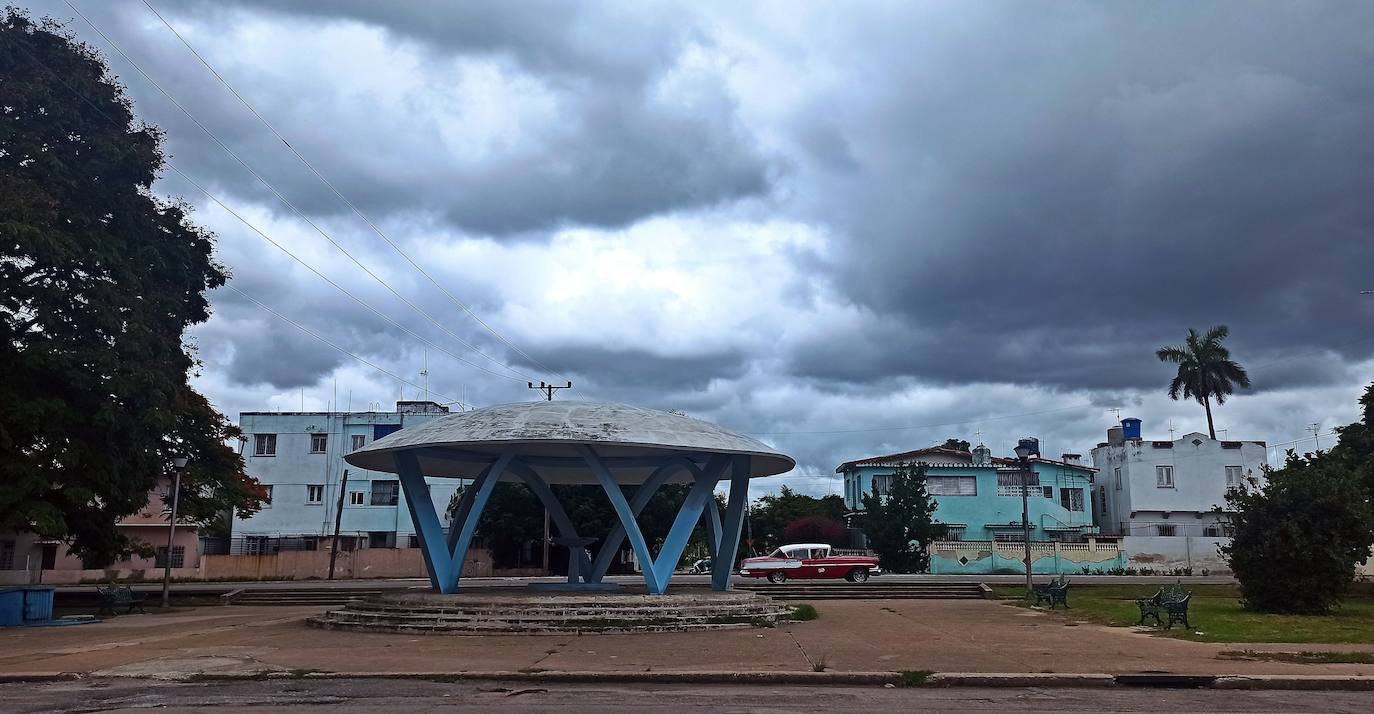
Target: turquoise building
[
  {"x": 979, "y": 496},
  {"x": 978, "y": 500}
]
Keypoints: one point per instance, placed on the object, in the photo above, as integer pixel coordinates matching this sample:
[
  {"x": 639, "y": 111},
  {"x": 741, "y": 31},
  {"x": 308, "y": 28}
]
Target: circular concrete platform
[{"x": 553, "y": 613}]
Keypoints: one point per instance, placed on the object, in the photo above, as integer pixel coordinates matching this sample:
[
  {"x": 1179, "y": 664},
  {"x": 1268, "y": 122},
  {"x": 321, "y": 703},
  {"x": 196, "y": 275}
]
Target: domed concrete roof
[{"x": 549, "y": 432}]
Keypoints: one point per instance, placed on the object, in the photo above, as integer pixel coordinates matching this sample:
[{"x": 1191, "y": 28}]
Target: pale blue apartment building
[{"x": 298, "y": 457}]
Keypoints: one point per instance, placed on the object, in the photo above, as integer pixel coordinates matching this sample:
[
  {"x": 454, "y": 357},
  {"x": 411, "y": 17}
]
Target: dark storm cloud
[
  {"x": 615, "y": 153},
  {"x": 1075, "y": 192},
  {"x": 632, "y": 374}
]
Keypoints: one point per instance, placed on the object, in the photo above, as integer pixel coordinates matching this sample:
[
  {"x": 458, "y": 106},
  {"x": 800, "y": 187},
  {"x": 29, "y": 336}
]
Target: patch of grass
[
  {"x": 913, "y": 679},
  {"x": 1217, "y": 616},
  {"x": 818, "y": 664},
  {"x": 1301, "y": 657},
  {"x": 804, "y": 612}
]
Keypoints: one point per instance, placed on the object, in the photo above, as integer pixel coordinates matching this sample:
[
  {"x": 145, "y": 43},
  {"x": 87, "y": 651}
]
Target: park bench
[
  {"x": 117, "y": 596},
  {"x": 1055, "y": 592},
  {"x": 1167, "y": 606}
]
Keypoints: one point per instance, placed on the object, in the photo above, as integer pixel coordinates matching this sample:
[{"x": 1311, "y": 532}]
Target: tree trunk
[{"x": 1207, "y": 404}]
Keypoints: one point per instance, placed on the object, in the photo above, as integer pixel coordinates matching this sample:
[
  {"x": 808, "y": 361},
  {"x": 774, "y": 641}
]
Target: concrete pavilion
[{"x": 568, "y": 442}]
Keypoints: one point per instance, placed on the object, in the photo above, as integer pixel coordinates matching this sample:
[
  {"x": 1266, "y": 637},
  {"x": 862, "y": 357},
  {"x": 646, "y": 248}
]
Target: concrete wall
[
  {"x": 68, "y": 569},
  {"x": 303, "y": 565},
  {"x": 989, "y": 557},
  {"x": 1162, "y": 553}
]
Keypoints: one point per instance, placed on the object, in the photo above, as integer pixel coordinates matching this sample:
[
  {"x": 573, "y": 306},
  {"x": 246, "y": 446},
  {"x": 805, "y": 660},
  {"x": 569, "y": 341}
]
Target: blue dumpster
[
  {"x": 25, "y": 605},
  {"x": 11, "y": 607},
  {"x": 38, "y": 603}
]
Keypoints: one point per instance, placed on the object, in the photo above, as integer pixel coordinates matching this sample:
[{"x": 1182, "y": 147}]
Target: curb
[{"x": 1314, "y": 682}]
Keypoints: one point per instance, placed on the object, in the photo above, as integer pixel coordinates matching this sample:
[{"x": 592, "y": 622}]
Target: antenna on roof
[
  {"x": 1315, "y": 429},
  {"x": 1171, "y": 429},
  {"x": 1117, "y": 411}
]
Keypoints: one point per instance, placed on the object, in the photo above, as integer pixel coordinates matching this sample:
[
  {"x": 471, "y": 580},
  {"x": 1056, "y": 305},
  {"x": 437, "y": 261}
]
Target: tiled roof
[{"x": 905, "y": 457}]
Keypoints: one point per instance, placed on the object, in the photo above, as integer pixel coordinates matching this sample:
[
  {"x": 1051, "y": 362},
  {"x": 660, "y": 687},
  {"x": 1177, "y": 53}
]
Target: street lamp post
[
  {"x": 1024, "y": 449},
  {"x": 178, "y": 465}
]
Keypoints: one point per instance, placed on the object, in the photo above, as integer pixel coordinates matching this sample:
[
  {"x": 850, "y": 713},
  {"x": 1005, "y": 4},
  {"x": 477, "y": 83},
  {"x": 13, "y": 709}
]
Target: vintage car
[{"x": 809, "y": 561}]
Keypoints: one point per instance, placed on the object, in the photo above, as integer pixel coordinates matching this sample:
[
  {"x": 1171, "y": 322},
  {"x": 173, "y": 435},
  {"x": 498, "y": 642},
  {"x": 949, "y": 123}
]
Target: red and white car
[{"x": 809, "y": 561}]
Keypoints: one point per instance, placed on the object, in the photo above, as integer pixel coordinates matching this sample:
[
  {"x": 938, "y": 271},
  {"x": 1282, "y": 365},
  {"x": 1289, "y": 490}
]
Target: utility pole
[
  {"x": 1024, "y": 449},
  {"x": 549, "y": 389},
  {"x": 338, "y": 520},
  {"x": 1316, "y": 429},
  {"x": 178, "y": 465}
]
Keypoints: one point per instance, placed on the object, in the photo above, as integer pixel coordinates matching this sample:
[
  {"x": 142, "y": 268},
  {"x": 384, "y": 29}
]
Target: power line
[
  {"x": 918, "y": 426},
  {"x": 339, "y": 195},
  {"x": 321, "y": 338},
  {"x": 270, "y": 187},
  {"x": 266, "y": 237}
]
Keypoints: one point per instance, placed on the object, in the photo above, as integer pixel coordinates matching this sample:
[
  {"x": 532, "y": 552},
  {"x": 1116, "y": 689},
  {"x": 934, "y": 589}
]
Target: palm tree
[{"x": 1205, "y": 370}]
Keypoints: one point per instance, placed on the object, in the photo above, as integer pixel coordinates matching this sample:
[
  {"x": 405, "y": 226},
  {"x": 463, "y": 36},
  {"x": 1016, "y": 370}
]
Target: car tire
[
  {"x": 777, "y": 577},
  {"x": 857, "y": 575}
]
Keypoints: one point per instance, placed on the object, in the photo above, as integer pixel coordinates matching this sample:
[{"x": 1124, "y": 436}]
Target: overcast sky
[{"x": 812, "y": 222}]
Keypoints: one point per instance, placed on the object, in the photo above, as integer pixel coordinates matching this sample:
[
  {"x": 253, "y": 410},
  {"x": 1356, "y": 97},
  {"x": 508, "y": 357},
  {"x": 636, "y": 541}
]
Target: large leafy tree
[
  {"x": 770, "y": 515},
  {"x": 1298, "y": 540},
  {"x": 901, "y": 524},
  {"x": 99, "y": 280},
  {"x": 1206, "y": 371}
]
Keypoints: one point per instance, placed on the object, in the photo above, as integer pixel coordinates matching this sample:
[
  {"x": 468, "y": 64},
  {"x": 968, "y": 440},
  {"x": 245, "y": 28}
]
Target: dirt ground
[{"x": 851, "y": 635}]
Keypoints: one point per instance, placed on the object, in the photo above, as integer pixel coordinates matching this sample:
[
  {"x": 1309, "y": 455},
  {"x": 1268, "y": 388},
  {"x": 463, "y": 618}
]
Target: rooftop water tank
[
  {"x": 1130, "y": 428},
  {"x": 1114, "y": 436}
]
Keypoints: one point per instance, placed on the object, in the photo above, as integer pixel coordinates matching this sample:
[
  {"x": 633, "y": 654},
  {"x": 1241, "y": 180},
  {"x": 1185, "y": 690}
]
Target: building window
[
  {"x": 882, "y": 484},
  {"x": 385, "y": 493},
  {"x": 1118, "y": 479},
  {"x": 314, "y": 494},
  {"x": 1164, "y": 476},
  {"x": 1233, "y": 477},
  {"x": 1211, "y": 532},
  {"x": 355, "y": 498},
  {"x": 1071, "y": 499},
  {"x": 257, "y": 545},
  {"x": 953, "y": 533},
  {"x": 1165, "y": 530},
  {"x": 1009, "y": 483},
  {"x": 178, "y": 557},
  {"x": 6, "y": 555},
  {"x": 359, "y": 440},
  {"x": 952, "y": 486},
  {"x": 318, "y": 442},
  {"x": 413, "y": 542},
  {"x": 266, "y": 496},
  {"x": 264, "y": 444},
  {"x": 1049, "y": 491},
  {"x": 1009, "y": 536}
]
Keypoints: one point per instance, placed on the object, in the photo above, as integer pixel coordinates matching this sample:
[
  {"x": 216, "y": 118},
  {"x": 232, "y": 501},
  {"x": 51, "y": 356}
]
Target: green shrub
[{"x": 804, "y": 612}]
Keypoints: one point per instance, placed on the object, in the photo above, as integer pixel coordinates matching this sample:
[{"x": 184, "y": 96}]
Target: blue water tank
[{"x": 1130, "y": 428}]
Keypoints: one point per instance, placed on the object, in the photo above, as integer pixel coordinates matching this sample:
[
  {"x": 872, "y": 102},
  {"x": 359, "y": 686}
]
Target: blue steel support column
[
  {"x": 541, "y": 490},
  {"x": 428, "y": 530},
  {"x": 724, "y": 563},
  {"x": 626, "y": 515},
  {"x": 713, "y": 527},
  {"x": 483, "y": 486},
  {"x": 464, "y": 507},
  {"x": 611, "y": 545},
  {"x": 702, "y": 491}
]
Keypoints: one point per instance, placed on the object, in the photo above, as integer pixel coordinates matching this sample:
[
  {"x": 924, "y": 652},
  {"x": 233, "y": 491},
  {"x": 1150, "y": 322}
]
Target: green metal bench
[
  {"x": 1167, "y": 606},
  {"x": 1055, "y": 592},
  {"x": 116, "y": 596}
]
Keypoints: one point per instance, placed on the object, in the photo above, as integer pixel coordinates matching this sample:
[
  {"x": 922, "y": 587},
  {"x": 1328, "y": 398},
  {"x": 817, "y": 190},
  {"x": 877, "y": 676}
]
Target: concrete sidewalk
[{"x": 855, "y": 636}]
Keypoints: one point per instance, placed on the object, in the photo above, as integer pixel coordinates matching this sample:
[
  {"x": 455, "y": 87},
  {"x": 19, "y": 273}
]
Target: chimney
[
  {"x": 982, "y": 456},
  {"x": 1073, "y": 458}
]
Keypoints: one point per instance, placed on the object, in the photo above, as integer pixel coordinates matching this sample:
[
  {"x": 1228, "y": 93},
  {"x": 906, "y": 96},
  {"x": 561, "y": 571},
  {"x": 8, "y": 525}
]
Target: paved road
[
  {"x": 401, "y": 583},
  {"x": 380, "y": 695}
]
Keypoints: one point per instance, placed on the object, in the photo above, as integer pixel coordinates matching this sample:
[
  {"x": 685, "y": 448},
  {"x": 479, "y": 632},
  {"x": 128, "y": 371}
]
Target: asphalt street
[{"x": 392, "y": 695}]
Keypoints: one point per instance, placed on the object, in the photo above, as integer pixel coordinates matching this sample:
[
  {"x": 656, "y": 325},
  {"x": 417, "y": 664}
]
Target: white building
[
  {"x": 1169, "y": 488},
  {"x": 298, "y": 458}
]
